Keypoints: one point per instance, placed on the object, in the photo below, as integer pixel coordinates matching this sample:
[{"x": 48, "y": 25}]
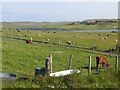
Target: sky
[{"x": 57, "y": 11}]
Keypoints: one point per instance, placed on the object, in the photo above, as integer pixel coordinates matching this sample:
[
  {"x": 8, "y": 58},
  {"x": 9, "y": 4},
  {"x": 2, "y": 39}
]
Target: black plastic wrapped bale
[{"x": 39, "y": 71}]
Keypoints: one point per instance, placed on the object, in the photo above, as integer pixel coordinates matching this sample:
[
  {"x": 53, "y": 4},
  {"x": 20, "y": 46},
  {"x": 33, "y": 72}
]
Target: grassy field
[
  {"x": 84, "y": 40},
  {"x": 65, "y": 25},
  {"x": 21, "y": 59}
]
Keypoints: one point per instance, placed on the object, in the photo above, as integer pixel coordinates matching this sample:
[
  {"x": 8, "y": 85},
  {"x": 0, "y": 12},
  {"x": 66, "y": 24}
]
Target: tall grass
[{"x": 21, "y": 59}]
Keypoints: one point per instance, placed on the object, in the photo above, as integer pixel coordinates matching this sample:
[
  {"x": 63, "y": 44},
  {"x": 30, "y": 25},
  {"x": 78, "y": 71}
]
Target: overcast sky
[{"x": 57, "y": 11}]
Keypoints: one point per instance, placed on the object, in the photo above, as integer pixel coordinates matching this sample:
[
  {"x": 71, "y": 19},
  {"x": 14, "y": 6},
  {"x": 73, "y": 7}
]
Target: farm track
[{"x": 79, "y": 48}]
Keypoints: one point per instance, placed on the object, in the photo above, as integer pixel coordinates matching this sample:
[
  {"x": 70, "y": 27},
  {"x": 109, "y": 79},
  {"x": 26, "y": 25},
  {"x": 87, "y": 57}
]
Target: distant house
[{"x": 98, "y": 21}]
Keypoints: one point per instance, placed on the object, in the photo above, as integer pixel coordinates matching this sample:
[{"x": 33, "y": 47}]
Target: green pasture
[
  {"x": 21, "y": 59},
  {"x": 65, "y": 25},
  {"x": 84, "y": 40}
]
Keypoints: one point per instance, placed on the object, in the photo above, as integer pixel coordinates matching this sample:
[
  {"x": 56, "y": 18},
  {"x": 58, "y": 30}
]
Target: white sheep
[
  {"x": 101, "y": 38},
  {"x": 18, "y": 34},
  {"x": 39, "y": 35}
]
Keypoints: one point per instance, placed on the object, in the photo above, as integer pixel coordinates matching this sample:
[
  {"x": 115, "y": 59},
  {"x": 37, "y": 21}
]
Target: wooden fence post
[
  {"x": 89, "y": 66},
  {"x": 47, "y": 66},
  {"x": 75, "y": 45},
  {"x": 116, "y": 64},
  {"x": 117, "y": 47},
  {"x": 59, "y": 42},
  {"x": 43, "y": 41},
  {"x": 93, "y": 48},
  {"x": 50, "y": 56},
  {"x": 110, "y": 51},
  {"x": 70, "y": 62}
]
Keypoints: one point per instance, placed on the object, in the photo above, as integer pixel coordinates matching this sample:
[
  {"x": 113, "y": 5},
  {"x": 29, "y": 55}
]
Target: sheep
[
  {"x": 108, "y": 35},
  {"x": 39, "y": 35},
  {"x": 48, "y": 40},
  {"x": 18, "y": 35},
  {"x": 31, "y": 39},
  {"x": 101, "y": 38},
  {"x": 106, "y": 38},
  {"x": 74, "y": 35},
  {"x": 98, "y": 34},
  {"x": 43, "y": 31},
  {"x": 68, "y": 42},
  {"x": 116, "y": 40}
]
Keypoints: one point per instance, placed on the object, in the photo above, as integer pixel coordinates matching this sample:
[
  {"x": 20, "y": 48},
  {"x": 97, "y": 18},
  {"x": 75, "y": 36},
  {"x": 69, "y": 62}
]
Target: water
[
  {"x": 112, "y": 30},
  {"x": 62, "y": 29},
  {"x": 39, "y": 29}
]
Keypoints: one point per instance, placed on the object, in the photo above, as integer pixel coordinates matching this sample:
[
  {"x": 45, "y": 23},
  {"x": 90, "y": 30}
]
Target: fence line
[{"x": 80, "y": 48}]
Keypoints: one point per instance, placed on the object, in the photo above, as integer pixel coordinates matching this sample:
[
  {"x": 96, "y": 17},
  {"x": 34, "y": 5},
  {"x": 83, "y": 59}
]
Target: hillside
[{"x": 78, "y": 25}]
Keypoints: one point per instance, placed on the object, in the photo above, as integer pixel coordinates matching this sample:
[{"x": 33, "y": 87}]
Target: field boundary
[{"x": 77, "y": 48}]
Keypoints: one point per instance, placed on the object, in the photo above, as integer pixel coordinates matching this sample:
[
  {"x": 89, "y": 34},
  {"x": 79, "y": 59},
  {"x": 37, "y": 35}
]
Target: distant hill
[{"x": 73, "y": 25}]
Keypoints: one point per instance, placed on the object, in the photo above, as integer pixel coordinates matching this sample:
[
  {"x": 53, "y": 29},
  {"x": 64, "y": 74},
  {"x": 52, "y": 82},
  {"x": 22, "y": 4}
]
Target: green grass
[
  {"x": 20, "y": 58},
  {"x": 84, "y": 40},
  {"x": 65, "y": 25}
]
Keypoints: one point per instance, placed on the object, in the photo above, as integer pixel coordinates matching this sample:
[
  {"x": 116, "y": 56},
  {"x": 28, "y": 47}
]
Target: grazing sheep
[
  {"x": 106, "y": 38},
  {"x": 74, "y": 35},
  {"x": 68, "y": 42},
  {"x": 18, "y": 35},
  {"x": 98, "y": 34},
  {"x": 116, "y": 40},
  {"x": 44, "y": 31},
  {"x": 39, "y": 35},
  {"x": 108, "y": 35},
  {"x": 48, "y": 40},
  {"x": 101, "y": 38},
  {"x": 31, "y": 39}
]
